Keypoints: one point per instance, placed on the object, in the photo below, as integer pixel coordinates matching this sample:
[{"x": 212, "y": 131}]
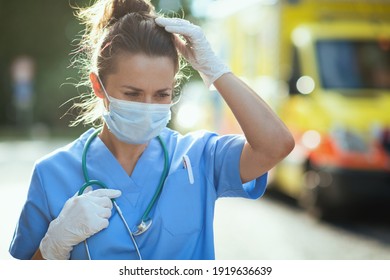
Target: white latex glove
[
  {"x": 81, "y": 217},
  {"x": 196, "y": 49}
]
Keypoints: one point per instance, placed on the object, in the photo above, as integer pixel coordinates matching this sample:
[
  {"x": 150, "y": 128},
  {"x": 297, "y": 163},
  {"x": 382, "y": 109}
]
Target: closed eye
[
  {"x": 132, "y": 93},
  {"x": 163, "y": 94}
]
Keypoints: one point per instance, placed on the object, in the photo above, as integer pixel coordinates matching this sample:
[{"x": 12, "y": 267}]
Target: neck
[{"x": 126, "y": 154}]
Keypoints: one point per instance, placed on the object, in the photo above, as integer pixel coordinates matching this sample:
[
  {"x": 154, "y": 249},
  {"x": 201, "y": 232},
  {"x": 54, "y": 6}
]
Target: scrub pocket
[{"x": 182, "y": 204}]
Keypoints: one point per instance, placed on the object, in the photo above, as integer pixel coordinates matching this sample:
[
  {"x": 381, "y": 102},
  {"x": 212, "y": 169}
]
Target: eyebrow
[
  {"x": 131, "y": 87},
  {"x": 138, "y": 89},
  {"x": 164, "y": 89}
]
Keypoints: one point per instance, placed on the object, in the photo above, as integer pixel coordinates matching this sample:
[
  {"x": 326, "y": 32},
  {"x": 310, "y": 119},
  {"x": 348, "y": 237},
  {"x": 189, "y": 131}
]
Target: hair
[{"x": 114, "y": 27}]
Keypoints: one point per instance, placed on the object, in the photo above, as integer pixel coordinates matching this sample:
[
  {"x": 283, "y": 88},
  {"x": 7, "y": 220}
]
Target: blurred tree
[{"x": 43, "y": 31}]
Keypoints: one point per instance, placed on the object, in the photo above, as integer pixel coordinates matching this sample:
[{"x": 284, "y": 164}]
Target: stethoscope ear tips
[{"x": 142, "y": 227}]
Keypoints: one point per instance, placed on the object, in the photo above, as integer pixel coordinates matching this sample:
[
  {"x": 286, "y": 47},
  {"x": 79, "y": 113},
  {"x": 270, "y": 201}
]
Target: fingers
[
  {"x": 179, "y": 26},
  {"x": 182, "y": 30},
  {"x": 182, "y": 47},
  {"x": 93, "y": 226},
  {"x": 104, "y": 213},
  {"x": 110, "y": 193},
  {"x": 104, "y": 202},
  {"x": 171, "y": 21},
  {"x": 102, "y": 197},
  {"x": 99, "y": 211},
  {"x": 190, "y": 35}
]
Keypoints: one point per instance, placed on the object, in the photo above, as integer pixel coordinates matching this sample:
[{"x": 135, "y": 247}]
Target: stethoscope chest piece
[{"x": 142, "y": 227}]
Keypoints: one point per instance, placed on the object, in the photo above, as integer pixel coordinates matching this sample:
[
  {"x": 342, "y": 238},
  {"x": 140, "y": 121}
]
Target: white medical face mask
[{"x": 135, "y": 122}]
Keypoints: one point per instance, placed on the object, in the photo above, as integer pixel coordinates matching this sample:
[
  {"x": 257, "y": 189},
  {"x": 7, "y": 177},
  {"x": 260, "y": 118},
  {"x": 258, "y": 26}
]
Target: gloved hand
[
  {"x": 196, "y": 50},
  {"x": 81, "y": 217}
]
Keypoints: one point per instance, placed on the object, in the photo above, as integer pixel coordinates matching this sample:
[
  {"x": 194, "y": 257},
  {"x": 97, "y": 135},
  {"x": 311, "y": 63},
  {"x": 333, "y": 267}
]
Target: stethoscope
[{"x": 146, "y": 221}]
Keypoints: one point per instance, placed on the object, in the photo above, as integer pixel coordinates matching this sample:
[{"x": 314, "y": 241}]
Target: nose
[{"x": 148, "y": 99}]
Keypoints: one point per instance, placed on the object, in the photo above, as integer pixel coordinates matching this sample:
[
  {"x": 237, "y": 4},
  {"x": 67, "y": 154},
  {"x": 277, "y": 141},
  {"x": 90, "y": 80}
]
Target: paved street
[{"x": 268, "y": 229}]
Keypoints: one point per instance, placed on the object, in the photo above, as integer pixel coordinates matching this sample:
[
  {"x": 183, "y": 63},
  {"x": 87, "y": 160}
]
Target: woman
[{"x": 153, "y": 173}]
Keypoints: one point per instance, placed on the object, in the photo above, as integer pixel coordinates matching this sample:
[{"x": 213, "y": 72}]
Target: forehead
[{"x": 141, "y": 69}]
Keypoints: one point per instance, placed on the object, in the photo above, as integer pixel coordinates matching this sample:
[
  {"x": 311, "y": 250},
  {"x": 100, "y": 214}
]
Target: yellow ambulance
[{"x": 324, "y": 67}]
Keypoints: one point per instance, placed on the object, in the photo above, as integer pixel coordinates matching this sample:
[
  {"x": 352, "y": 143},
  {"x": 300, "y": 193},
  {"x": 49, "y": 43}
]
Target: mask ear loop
[{"x": 104, "y": 89}]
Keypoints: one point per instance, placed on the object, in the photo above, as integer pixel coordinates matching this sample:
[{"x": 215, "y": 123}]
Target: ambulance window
[
  {"x": 354, "y": 64},
  {"x": 295, "y": 72}
]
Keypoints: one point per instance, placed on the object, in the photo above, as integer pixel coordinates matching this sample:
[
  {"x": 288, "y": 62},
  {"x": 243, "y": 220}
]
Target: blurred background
[{"x": 322, "y": 65}]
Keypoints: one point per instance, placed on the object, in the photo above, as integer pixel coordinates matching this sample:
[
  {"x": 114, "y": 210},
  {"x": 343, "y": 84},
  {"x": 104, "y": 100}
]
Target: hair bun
[
  {"x": 104, "y": 13},
  {"x": 122, "y": 7}
]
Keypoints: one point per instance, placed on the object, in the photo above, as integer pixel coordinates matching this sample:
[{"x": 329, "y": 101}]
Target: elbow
[
  {"x": 274, "y": 150},
  {"x": 285, "y": 145},
  {"x": 288, "y": 145},
  {"x": 278, "y": 150}
]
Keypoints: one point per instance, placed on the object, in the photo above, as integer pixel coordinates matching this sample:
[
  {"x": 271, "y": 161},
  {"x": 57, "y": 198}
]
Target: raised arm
[{"x": 268, "y": 139}]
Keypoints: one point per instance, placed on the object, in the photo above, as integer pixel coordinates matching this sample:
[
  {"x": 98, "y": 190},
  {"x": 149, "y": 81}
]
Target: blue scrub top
[{"x": 183, "y": 216}]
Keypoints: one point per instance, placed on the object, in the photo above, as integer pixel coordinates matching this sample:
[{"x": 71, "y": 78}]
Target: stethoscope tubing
[
  {"x": 119, "y": 211},
  {"x": 146, "y": 221}
]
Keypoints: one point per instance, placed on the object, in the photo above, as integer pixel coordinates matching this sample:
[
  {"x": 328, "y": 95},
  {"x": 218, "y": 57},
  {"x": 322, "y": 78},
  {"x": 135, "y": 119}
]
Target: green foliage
[{"x": 43, "y": 30}]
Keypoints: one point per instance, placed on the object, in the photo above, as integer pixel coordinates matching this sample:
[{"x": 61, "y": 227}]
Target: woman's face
[{"x": 142, "y": 78}]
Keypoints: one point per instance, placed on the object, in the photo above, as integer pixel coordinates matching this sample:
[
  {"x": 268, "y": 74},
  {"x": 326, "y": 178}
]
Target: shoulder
[
  {"x": 201, "y": 141},
  {"x": 170, "y": 135},
  {"x": 196, "y": 141}
]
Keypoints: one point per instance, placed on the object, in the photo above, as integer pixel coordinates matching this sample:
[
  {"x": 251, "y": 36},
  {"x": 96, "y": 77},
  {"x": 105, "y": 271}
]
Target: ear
[{"x": 96, "y": 86}]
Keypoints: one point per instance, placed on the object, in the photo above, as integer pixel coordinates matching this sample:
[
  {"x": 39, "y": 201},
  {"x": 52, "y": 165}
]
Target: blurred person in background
[{"x": 165, "y": 183}]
